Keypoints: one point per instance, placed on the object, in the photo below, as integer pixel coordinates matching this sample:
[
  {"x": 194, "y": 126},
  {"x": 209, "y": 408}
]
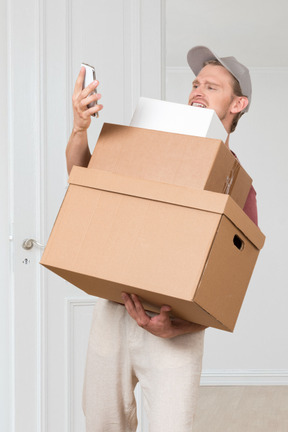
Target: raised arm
[{"x": 77, "y": 151}]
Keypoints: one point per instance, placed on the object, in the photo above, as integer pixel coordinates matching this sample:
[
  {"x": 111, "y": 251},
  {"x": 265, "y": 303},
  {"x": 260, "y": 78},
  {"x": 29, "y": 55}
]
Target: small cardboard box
[
  {"x": 178, "y": 118},
  {"x": 191, "y": 249},
  {"x": 184, "y": 160}
]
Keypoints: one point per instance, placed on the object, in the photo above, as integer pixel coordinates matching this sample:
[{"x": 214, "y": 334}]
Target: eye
[{"x": 211, "y": 88}]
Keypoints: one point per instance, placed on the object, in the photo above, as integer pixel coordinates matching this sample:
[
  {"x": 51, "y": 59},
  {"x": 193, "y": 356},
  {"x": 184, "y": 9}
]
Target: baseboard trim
[{"x": 249, "y": 377}]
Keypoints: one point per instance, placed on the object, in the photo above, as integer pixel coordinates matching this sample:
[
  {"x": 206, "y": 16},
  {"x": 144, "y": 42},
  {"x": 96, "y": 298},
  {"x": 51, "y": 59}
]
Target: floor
[{"x": 242, "y": 409}]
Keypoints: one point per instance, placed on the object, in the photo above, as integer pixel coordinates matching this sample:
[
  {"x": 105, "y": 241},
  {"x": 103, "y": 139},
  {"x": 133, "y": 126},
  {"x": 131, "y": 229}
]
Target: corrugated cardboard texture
[
  {"x": 198, "y": 163},
  {"x": 228, "y": 270},
  {"x": 140, "y": 240},
  {"x": 163, "y": 192}
]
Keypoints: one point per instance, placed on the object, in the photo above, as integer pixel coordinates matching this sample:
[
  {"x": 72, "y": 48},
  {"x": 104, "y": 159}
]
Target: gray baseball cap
[{"x": 198, "y": 55}]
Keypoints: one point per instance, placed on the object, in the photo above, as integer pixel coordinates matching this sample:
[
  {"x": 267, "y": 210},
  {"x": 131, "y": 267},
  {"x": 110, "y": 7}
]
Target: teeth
[{"x": 199, "y": 105}]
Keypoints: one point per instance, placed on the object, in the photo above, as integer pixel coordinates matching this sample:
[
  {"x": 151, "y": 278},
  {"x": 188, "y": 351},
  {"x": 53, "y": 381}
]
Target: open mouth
[{"x": 198, "y": 105}]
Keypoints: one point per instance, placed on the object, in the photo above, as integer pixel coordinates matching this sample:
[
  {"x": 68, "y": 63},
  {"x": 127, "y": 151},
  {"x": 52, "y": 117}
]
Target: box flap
[{"x": 178, "y": 195}]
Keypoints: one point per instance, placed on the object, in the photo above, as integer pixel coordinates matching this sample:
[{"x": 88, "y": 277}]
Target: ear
[{"x": 239, "y": 104}]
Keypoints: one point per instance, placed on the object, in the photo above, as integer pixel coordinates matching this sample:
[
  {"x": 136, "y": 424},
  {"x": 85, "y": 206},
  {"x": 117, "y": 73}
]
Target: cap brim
[{"x": 197, "y": 56}]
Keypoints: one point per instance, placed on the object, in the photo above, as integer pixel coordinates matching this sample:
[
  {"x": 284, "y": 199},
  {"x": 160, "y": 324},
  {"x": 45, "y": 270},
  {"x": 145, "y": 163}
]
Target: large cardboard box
[
  {"x": 194, "y": 250},
  {"x": 178, "y": 118},
  {"x": 184, "y": 160}
]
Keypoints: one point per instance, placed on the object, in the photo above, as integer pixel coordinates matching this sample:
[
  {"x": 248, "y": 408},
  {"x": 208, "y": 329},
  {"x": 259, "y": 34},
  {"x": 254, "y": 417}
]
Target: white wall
[
  {"x": 256, "y": 352},
  {"x": 254, "y": 31},
  {"x": 256, "y": 34}
]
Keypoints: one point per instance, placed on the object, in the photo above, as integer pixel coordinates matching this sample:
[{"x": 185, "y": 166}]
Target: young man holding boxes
[{"x": 128, "y": 344}]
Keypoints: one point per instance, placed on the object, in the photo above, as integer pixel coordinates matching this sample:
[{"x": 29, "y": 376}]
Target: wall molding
[
  {"x": 209, "y": 377},
  {"x": 7, "y": 329},
  {"x": 132, "y": 56},
  {"x": 71, "y": 303},
  {"x": 140, "y": 64},
  {"x": 69, "y": 69},
  {"x": 153, "y": 34},
  {"x": 40, "y": 138},
  {"x": 265, "y": 69},
  {"x": 244, "y": 377}
]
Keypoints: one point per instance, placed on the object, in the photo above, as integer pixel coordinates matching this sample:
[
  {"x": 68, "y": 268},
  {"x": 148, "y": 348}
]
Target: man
[{"x": 163, "y": 354}]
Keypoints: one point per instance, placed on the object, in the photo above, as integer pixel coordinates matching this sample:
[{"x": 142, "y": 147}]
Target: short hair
[{"x": 236, "y": 90}]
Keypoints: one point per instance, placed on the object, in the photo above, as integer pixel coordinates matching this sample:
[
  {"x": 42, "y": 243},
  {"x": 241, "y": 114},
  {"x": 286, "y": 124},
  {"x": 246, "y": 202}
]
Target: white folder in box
[{"x": 178, "y": 118}]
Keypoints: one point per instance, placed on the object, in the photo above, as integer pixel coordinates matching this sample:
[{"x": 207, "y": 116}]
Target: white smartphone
[{"x": 90, "y": 76}]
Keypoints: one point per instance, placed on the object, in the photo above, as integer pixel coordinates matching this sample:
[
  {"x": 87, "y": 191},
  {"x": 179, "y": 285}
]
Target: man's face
[{"x": 212, "y": 89}]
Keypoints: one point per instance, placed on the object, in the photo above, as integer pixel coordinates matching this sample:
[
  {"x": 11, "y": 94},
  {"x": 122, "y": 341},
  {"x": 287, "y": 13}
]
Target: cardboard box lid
[
  {"x": 178, "y": 195},
  {"x": 178, "y": 118}
]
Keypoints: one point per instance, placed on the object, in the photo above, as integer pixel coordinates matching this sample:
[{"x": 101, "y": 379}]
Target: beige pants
[{"x": 120, "y": 354}]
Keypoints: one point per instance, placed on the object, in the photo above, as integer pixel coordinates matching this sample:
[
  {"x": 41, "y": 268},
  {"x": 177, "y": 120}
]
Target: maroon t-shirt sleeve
[{"x": 250, "y": 207}]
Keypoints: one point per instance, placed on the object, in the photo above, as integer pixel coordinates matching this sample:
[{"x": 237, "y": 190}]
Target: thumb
[{"x": 165, "y": 309}]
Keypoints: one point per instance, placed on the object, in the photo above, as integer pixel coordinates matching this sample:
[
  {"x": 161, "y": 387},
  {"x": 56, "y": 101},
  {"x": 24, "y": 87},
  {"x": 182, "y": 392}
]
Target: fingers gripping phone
[{"x": 90, "y": 76}]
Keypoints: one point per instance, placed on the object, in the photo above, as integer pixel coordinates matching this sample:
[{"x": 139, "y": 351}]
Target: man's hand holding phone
[{"x": 85, "y": 102}]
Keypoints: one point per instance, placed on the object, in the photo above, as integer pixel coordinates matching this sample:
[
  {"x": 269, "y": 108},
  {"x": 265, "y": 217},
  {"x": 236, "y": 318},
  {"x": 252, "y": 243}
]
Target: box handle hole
[{"x": 238, "y": 242}]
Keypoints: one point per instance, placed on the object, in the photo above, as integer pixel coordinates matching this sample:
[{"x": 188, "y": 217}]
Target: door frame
[{"x": 145, "y": 76}]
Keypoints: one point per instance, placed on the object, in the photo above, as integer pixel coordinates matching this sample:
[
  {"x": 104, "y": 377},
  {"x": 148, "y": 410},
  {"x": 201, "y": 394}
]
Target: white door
[{"x": 46, "y": 320}]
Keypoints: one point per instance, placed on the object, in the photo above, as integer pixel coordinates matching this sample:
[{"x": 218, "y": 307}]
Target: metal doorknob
[{"x": 29, "y": 243}]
